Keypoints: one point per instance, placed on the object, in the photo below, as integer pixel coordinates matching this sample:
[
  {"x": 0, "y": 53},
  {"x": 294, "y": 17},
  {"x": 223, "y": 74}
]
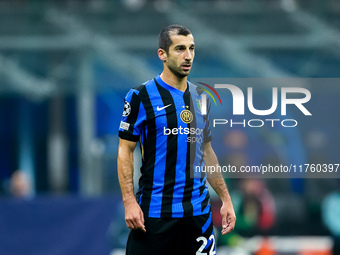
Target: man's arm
[
  {"x": 133, "y": 214},
  {"x": 217, "y": 183}
]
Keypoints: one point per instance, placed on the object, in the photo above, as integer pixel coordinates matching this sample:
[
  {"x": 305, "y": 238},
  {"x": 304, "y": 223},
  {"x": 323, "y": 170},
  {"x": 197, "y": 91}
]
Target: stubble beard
[{"x": 177, "y": 73}]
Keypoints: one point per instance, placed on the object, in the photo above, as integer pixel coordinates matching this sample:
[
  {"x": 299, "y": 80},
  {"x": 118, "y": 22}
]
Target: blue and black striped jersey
[{"x": 171, "y": 129}]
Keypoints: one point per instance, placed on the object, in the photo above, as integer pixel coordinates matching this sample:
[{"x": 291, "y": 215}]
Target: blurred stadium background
[{"x": 65, "y": 67}]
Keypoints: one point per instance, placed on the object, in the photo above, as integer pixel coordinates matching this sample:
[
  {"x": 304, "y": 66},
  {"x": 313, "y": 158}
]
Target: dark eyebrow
[
  {"x": 180, "y": 46},
  {"x": 183, "y": 46}
]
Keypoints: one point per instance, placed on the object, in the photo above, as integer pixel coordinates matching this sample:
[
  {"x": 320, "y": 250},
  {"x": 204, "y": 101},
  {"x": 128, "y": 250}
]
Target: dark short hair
[{"x": 164, "y": 40}]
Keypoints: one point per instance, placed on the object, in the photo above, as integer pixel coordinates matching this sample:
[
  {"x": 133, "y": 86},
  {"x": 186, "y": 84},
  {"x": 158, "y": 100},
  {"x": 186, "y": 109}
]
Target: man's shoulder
[
  {"x": 194, "y": 89},
  {"x": 144, "y": 86}
]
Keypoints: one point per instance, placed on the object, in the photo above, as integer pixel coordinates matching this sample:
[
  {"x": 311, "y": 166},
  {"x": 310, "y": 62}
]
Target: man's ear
[{"x": 162, "y": 54}]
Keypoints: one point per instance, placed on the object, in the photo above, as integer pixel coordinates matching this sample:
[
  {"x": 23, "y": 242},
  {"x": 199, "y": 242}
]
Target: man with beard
[{"x": 170, "y": 213}]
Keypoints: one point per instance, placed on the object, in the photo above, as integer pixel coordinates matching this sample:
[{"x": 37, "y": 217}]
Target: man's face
[{"x": 181, "y": 55}]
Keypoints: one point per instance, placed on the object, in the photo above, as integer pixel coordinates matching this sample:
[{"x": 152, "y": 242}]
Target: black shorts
[{"x": 175, "y": 236}]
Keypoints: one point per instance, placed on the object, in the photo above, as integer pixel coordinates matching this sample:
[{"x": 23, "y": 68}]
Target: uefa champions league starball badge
[{"x": 127, "y": 109}]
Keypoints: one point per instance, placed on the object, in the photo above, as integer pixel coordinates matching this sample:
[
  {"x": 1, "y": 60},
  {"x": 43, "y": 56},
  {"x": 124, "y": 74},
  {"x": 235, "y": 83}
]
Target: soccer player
[{"x": 170, "y": 213}]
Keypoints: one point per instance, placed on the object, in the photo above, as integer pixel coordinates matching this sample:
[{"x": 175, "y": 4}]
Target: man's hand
[
  {"x": 133, "y": 213},
  {"x": 228, "y": 218},
  {"x": 217, "y": 183},
  {"x": 134, "y": 216}
]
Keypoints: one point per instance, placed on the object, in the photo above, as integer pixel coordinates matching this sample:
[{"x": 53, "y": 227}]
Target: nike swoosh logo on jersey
[{"x": 161, "y": 108}]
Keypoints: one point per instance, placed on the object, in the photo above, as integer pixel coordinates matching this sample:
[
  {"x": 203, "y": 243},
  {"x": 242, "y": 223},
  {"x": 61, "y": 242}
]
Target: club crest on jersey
[
  {"x": 186, "y": 116},
  {"x": 127, "y": 109}
]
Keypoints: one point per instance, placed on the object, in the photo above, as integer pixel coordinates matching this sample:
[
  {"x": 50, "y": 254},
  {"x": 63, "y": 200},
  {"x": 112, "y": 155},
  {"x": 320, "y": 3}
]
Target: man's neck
[{"x": 174, "y": 81}]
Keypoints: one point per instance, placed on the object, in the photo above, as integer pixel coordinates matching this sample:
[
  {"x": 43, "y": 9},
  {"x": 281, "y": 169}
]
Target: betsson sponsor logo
[{"x": 182, "y": 131}]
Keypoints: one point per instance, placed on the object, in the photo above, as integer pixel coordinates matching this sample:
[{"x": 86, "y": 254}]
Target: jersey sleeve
[
  {"x": 133, "y": 117},
  {"x": 207, "y": 129}
]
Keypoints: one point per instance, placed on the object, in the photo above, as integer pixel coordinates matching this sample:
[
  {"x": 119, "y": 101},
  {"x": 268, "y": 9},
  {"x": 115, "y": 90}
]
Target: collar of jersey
[{"x": 170, "y": 88}]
